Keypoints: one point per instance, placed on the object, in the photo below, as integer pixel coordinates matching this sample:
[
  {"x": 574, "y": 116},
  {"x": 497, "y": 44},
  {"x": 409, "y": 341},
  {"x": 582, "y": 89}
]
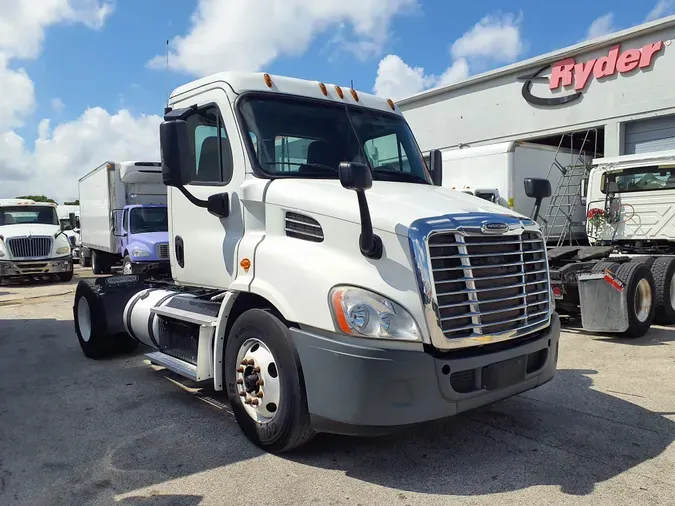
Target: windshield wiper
[
  {"x": 315, "y": 165},
  {"x": 409, "y": 175}
]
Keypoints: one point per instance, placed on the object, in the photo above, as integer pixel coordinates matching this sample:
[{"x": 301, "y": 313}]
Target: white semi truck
[
  {"x": 32, "y": 241},
  {"x": 64, "y": 212},
  {"x": 322, "y": 290},
  {"x": 124, "y": 217}
]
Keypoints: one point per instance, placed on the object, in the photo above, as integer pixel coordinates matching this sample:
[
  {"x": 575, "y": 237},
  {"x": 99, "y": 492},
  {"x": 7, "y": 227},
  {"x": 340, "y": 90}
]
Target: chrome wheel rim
[
  {"x": 84, "y": 319},
  {"x": 257, "y": 381},
  {"x": 643, "y": 300},
  {"x": 126, "y": 268}
]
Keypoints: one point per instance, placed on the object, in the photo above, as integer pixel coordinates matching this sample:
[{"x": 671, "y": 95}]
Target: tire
[
  {"x": 648, "y": 261},
  {"x": 128, "y": 267},
  {"x": 85, "y": 261},
  {"x": 639, "y": 283},
  {"x": 663, "y": 270},
  {"x": 65, "y": 276},
  {"x": 289, "y": 425},
  {"x": 91, "y": 326},
  {"x": 605, "y": 264},
  {"x": 99, "y": 263}
]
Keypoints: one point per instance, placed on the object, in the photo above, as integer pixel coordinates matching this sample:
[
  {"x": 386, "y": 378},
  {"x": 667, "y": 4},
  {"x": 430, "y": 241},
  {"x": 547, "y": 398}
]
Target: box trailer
[
  {"x": 496, "y": 173},
  {"x": 123, "y": 217}
]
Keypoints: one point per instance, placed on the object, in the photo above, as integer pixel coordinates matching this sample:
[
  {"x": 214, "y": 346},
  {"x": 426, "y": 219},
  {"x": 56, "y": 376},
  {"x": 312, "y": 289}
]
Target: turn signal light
[
  {"x": 268, "y": 80},
  {"x": 323, "y": 89},
  {"x": 339, "y": 92},
  {"x": 354, "y": 94},
  {"x": 391, "y": 104}
]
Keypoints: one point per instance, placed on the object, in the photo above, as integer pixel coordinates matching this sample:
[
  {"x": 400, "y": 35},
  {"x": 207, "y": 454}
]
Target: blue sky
[{"x": 96, "y": 53}]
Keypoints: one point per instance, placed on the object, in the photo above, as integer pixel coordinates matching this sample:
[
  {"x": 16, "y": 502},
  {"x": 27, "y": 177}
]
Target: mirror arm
[
  {"x": 369, "y": 243},
  {"x": 193, "y": 200}
]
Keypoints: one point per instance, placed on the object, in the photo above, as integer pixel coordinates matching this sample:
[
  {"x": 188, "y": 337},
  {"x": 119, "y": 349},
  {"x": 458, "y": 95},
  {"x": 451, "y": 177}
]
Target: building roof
[
  {"x": 240, "y": 82},
  {"x": 547, "y": 58}
]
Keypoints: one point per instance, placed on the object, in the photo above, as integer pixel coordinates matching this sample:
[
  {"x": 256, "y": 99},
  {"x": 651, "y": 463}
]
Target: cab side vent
[{"x": 303, "y": 227}]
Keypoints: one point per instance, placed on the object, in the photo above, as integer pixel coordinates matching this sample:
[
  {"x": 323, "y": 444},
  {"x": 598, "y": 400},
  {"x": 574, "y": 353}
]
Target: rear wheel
[
  {"x": 100, "y": 263},
  {"x": 265, "y": 384},
  {"x": 605, "y": 264},
  {"x": 91, "y": 326},
  {"x": 663, "y": 270},
  {"x": 639, "y": 285}
]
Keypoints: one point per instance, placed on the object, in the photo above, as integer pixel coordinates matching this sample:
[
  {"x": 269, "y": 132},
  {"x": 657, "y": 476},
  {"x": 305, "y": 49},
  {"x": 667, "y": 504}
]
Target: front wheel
[
  {"x": 65, "y": 276},
  {"x": 128, "y": 267},
  {"x": 265, "y": 384}
]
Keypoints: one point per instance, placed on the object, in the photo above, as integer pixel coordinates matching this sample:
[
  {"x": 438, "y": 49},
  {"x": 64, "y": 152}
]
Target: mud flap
[{"x": 604, "y": 307}]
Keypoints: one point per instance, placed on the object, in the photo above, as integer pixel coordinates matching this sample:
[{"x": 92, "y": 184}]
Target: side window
[
  {"x": 290, "y": 153},
  {"x": 125, "y": 221},
  {"x": 211, "y": 147},
  {"x": 386, "y": 152},
  {"x": 254, "y": 141}
]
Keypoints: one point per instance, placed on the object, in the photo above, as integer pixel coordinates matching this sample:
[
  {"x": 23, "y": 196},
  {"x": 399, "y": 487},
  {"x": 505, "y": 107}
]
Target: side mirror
[
  {"x": 611, "y": 187},
  {"x": 357, "y": 177},
  {"x": 436, "y": 166},
  {"x": 73, "y": 221},
  {"x": 177, "y": 157},
  {"x": 537, "y": 188}
]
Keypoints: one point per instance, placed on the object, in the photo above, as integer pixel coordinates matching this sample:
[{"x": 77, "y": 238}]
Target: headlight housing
[
  {"x": 137, "y": 252},
  {"x": 362, "y": 313},
  {"x": 63, "y": 250}
]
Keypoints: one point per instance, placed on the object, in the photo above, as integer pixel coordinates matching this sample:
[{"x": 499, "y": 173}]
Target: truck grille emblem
[{"x": 494, "y": 228}]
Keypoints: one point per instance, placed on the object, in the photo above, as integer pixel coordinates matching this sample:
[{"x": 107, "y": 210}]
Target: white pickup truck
[{"x": 32, "y": 241}]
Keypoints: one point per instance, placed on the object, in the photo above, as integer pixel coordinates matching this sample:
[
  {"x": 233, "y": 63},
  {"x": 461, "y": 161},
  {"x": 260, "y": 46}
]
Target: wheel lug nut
[
  {"x": 244, "y": 362},
  {"x": 248, "y": 401},
  {"x": 240, "y": 381},
  {"x": 256, "y": 369},
  {"x": 260, "y": 382},
  {"x": 259, "y": 395},
  {"x": 250, "y": 361},
  {"x": 242, "y": 394},
  {"x": 254, "y": 402},
  {"x": 240, "y": 369}
]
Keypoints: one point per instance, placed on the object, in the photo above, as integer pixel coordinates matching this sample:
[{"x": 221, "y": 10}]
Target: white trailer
[
  {"x": 496, "y": 172},
  {"x": 104, "y": 194}
]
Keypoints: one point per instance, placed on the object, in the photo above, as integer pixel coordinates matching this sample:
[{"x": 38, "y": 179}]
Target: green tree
[
  {"x": 73, "y": 203},
  {"x": 37, "y": 198}
]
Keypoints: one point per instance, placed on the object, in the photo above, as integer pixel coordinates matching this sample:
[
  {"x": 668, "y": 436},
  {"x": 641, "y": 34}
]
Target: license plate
[{"x": 504, "y": 374}]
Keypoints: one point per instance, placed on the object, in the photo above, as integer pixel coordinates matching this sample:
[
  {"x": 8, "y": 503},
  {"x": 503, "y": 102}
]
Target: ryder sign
[{"x": 569, "y": 74}]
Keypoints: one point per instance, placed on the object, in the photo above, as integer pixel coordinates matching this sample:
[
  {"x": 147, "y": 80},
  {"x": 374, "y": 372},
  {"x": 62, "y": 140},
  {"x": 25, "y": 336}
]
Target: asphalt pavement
[{"x": 120, "y": 431}]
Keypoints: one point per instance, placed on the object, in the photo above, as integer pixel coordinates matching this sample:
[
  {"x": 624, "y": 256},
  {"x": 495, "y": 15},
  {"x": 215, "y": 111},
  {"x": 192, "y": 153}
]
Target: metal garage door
[{"x": 654, "y": 134}]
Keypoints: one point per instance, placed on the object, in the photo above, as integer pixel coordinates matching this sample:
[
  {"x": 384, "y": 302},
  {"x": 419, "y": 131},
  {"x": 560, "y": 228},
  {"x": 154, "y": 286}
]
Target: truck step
[
  {"x": 186, "y": 316},
  {"x": 173, "y": 364}
]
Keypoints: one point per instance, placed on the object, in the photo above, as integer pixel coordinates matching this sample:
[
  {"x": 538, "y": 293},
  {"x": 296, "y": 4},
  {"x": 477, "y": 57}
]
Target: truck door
[{"x": 203, "y": 246}]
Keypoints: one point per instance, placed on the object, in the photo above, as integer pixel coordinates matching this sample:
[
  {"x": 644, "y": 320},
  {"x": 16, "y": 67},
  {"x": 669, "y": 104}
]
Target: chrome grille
[
  {"x": 162, "y": 250},
  {"x": 487, "y": 285},
  {"x": 30, "y": 247},
  {"x": 303, "y": 227}
]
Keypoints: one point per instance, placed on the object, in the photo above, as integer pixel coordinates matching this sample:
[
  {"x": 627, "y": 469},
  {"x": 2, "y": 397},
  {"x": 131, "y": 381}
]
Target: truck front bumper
[
  {"x": 356, "y": 387},
  {"x": 36, "y": 267}
]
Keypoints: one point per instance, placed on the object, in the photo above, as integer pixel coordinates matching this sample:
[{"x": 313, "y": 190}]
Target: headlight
[
  {"x": 361, "y": 313},
  {"x": 140, "y": 253},
  {"x": 62, "y": 250}
]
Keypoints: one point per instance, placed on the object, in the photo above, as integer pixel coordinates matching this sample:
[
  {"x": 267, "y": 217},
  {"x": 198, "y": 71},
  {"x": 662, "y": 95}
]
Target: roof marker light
[
  {"x": 339, "y": 92},
  {"x": 354, "y": 94},
  {"x": 268, "y": 80},
  {"x": 323, "y": 89},
  {"x": 391, "y": 104}
]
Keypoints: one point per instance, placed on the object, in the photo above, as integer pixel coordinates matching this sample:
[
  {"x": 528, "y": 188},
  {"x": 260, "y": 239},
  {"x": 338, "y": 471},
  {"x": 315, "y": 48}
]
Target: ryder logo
[{"x": 568, "y": 73}]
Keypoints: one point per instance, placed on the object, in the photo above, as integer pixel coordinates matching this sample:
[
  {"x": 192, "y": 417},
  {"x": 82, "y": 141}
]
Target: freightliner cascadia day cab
[
  {"x": 124, "y": 217},
  {"x": 325, "y": 284},
  {"x": 32, "y": 241}
]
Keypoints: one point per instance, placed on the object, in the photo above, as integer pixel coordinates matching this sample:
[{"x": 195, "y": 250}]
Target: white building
[{"x": 616, "y": 91}]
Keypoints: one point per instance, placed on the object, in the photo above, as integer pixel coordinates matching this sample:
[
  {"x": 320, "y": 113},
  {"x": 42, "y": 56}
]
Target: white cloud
[
  {"x": 661, "y": 9},
  {"x": 63, "y": 154},
  {"x": 17, "y": 97},
  {"x": 237, "y": 35},
  {"x": 496, "y": 38},
  {"x": 600, "y": 26},
  {"x": 57, "y": 105},
  {"x": 23, "y": 22}
]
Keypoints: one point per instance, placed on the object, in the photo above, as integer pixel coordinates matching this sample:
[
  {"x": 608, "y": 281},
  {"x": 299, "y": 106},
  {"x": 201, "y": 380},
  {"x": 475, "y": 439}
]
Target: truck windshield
[
  {"x": 18, "y": 215},
  {"x": 148, "y": 219},
  {"x": 639, "y": 179},
  {"x": 295, "y": 137}
]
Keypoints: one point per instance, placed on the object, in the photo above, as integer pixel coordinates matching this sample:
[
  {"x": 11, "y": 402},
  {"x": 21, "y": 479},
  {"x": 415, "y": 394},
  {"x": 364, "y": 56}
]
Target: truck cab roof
[
  {"x": 24, "y": 202},
  {"x": 637, "y": 160},
  {"x": 241, "y": 82}
]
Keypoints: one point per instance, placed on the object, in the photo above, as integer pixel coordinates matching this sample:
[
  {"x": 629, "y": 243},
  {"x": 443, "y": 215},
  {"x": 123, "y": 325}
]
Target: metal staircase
[{"x": 562, "y": 222}]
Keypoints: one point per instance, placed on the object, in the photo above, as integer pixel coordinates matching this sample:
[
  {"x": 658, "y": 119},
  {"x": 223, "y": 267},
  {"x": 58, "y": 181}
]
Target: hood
[
  {"x": 391, "y": 204},
  {"x": 25, "y": 229},
  {"x": 150, "y": 238}
]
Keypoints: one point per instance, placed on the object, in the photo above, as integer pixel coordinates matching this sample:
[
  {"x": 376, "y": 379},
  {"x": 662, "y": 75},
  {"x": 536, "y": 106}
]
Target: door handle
[{"x": 180, "y": 250}]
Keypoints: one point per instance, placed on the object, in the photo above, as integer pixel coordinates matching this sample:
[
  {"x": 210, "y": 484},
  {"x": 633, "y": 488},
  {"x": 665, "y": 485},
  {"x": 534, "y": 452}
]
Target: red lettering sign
[{"x": 568, "y": 72}]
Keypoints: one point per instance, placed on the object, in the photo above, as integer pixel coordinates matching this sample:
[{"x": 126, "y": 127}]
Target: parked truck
[
  {"x": 496, "y": 172},
  {"x": 32, "y": 241},
  {"x": 72, "y": 230},
  {"x": 625, "y": 280},
  {"x": 124, "y": 218},
  {"x": 322, "y": 290}
]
